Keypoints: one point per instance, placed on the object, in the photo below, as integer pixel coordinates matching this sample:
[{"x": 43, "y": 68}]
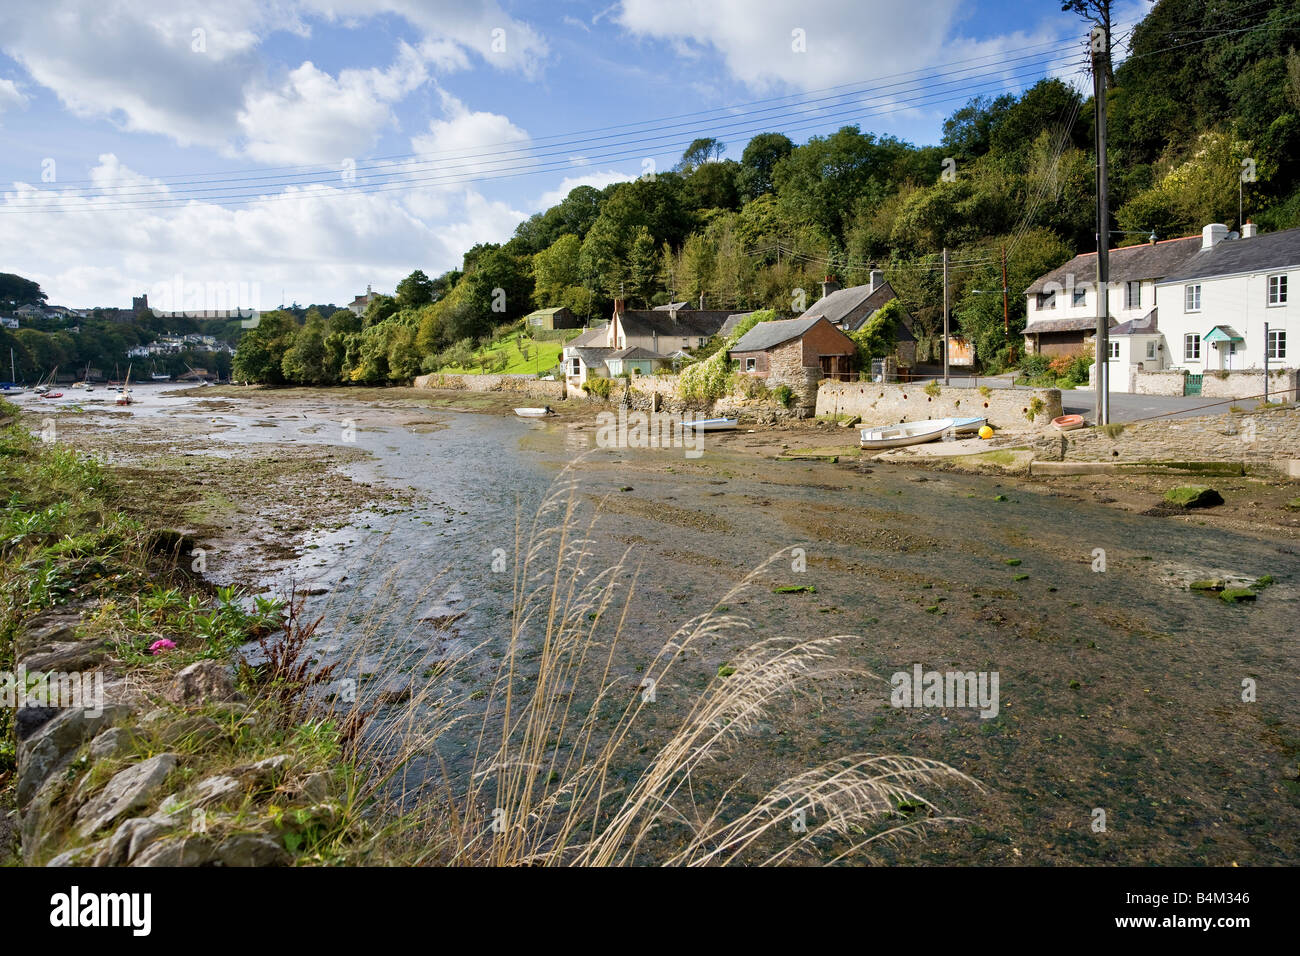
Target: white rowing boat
[
  {"x": 711, "y": 424},
  {"x": 968, "y": 426},
  {"x": 534, "y": 412},
  {"x": 905, "y": 433}
]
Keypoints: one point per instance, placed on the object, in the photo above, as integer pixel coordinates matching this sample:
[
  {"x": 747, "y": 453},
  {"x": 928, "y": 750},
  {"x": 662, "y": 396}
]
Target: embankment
[
  {"x": 529, "y": 385},
  {"x": 881, "y": 404}
]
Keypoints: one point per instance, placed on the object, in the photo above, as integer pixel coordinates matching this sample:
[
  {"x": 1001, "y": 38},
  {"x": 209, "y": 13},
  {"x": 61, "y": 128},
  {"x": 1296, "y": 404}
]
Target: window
[
  {"x": 1047, "y": 300},
  {"x": 1133, "y": 294},
  {"x": 1114, "y": 348},
  {"x": 750, "y": 364},
  {"x": 1192, "y": 298},
  {"x": 1191, "y": 347},
  {"x": 1277, "y": 290},
  {"x": 1276, "y": 343},
  {"x": 577, "y": 367},
  {"x": 1079, "y": 296},
  {"x": 1151, "y": 350}
]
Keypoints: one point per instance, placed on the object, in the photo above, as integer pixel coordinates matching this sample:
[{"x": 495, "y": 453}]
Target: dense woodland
[{"x": 1207, "y": 86}]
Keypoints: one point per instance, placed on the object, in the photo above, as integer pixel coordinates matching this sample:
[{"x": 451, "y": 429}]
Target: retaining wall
[
  {"x": 884, "y": 404},
  {"x": 523, "y": 384}
]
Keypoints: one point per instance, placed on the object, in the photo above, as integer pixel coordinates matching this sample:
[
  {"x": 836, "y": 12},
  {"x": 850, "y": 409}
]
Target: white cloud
[
  {"x": 844, "y": 40},
  {"x": 470, "y": 143},
  {"x": 321, "y": 243},
  {"x": 10, "y": 95},
  {"x": 140, "y": 64}
]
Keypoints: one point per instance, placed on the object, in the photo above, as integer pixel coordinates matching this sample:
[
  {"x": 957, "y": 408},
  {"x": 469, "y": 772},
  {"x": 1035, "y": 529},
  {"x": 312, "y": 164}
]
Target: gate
[{"x": 1192, "y": 384}]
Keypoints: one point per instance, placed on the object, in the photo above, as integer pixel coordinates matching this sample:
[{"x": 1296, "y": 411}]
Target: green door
[{"x": 1192, "y": 385}]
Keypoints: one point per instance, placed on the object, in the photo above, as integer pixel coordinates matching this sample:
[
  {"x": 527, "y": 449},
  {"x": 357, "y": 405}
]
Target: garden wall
[
  {"x": 523, "y": 384},
  {"x": 1248, "y": 383},
  {"x": 1159, "y": 383},
  {"x": 1266, "y": 435},
  {"x": 884, "y": 404}
]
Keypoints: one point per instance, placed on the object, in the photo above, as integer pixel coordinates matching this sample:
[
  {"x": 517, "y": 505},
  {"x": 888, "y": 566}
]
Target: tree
[
  {"x": 16, "y": 291},
  {"x": 304, "y": 362},
  {"x": 642, "y": 266},
  {"x": 1097, "y": 11},
  {"x": 555, "y": 269},
  {"x": 414, "y": 291},
  {"x": 701, "y": 151},
  {"x": 260, "y": 355},
  {"x": 821, "y": 181},
  {"x": 758, "y": 163}
]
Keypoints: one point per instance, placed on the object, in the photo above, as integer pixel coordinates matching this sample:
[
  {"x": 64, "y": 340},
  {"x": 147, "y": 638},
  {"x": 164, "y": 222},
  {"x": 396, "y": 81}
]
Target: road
[{"x": 1127, "y": 408}]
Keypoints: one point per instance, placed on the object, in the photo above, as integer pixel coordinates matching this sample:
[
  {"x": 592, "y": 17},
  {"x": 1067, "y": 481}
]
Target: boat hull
[
  {"x": 904, "y": 433},
  {"x": 533, "y": 412},
  {"x": 712, "y": 424},
  {"x": 1068, "y": 423}
]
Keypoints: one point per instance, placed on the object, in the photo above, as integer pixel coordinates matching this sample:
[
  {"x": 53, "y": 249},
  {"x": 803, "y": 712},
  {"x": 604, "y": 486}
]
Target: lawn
[{"x": 542, "y": 357}]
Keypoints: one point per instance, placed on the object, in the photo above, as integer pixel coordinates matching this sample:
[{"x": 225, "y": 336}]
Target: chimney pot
[
  {"x": 829, "y": 286},
  {"x": 877, "y": 279},
  {"x": 1249, "y": 231},
  {"x": 1213, "y": 234}
]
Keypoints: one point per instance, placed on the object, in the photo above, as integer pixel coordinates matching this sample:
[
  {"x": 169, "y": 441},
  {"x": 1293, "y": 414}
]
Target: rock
[
  {"x": 79, "y": 856},
  {"x": 54, "y": 744},
  {"x": 65, "y": 657},
  {"x": 187, "y": 850},
  {"x": 30, "y": 719},
  {"x": 201, "y": 682},
  {"x": 113, "y": 742},
  {"x": 1233, "y": 595},
  {"x": 128, "y": 790},
  {"x": 247, "y": 849},
  {"x": 263, "y": 772},
  {"x": 1193, "y": 496},
  {"x": 1209, "y": 584},
  {"x": 129, "y": 840},
  {"x": 214, "y": 789},
  {"x": 317, "y": 787},
  {"x": 194, "y": 731},
  {"x": 48, "y": 628}
]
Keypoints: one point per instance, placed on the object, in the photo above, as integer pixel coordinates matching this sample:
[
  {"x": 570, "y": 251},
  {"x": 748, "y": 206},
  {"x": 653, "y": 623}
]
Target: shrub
[
  {"x": 932, "y": 389},
  {"x": 783, "y": 394},
  {"x": 599, "y": 387}
]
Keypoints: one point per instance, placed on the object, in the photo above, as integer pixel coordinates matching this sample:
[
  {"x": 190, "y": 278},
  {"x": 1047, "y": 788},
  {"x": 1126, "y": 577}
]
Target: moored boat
[
  {"x": 711, "y": 424},
  {"x": 1066, "y": 423},
  {"x": 534, "y": 412},
  {"x": 905, "y": 433},
  {"x": 968, "y": 426}
]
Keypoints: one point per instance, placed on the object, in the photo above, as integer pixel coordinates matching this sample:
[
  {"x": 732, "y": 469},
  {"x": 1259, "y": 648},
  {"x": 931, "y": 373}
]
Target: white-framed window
[
  {"x": 577, "y": 366},
  {"x": 1133, "y": 294},
  {"x": 1191, "y": 347},
  {"x": 1079, "y": 296},
  {"x": 1047, "y": 300},
  {"x": 1192, "y": 298},
  {"x": 1277, "y": 289},
  {"x": 750, "y": 364},
  {"x": 1113, "y": 346},
  {"x": 1276, "y": 344},
  {"x": 1151, "y": 350}
]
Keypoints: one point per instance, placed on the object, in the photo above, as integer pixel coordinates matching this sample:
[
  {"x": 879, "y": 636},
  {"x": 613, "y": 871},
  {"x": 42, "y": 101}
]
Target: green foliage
[{"x": 879, "y": 336}]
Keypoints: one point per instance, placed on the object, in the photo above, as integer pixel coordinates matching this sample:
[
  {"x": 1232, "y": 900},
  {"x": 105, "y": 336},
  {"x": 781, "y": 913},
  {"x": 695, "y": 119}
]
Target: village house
[
  {"x": 849, "y": 309},
  {"x": 584, "y": 357},
  {"x": 665, "y": 330},
  {"x": 636, "y": 361},
  {"x": 779, "y": 351},
  {"x": 8, "y": 322},
  {"x": 359, "y": 305},
  {"x": 557, "y": 318},
  {"x": 1061, "y": 316},
  {"x": 1214, "y": 308}
]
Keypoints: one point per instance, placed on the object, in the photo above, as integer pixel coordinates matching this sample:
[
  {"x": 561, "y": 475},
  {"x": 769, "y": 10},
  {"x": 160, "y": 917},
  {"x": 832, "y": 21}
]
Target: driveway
[{"x": 1125, "y": 407}]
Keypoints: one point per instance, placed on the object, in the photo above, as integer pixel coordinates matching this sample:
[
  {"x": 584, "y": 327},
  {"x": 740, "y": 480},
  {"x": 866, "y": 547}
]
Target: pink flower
[{"x": 158, "y": 646}]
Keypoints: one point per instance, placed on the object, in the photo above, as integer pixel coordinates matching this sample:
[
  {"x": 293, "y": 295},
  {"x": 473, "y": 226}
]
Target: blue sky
[{"x": 111, "y": 109}]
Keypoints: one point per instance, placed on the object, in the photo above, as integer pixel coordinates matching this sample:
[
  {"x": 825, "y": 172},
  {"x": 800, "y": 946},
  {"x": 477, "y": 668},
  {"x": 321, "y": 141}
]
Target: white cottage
[{"x": 1230, "y": 305}]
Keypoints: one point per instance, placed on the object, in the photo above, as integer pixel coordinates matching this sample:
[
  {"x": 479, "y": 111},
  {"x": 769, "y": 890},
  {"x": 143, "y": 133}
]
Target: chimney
[
  {"x": 1213, "y": 234},
  {"x": 877, "y": 279},
  {"x": 1249, "y": 231},
  {"x": 618, "y": 307},
  {"x": 829, "y": 286},
  {"x": 701, "y": 301}
]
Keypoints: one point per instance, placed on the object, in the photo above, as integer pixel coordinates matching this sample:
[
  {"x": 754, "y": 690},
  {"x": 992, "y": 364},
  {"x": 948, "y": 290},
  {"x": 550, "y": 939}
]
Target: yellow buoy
[{"x": 986, "y": 432}]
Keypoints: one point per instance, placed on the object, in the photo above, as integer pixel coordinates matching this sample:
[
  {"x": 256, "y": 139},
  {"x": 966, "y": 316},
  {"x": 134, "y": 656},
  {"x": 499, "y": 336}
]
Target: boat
[
  {"x": 1068, "y": 423},
  {"x": 968, "y": 426},
  {"x": 905, "y": 433},
  {"x": 158, "y": 376},
  {"x": 711, "y": 424},
  {"x": 534, "y": 412},
  {"x": 124, "y": 393},
  {"x": 52, "y": 395}
]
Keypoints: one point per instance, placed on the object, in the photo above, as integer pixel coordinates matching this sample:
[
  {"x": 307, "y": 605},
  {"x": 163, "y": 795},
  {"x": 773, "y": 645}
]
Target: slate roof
[
  {"x": 837, "y": 306},
  {"x": 1272, "y": 250},
  {"x": 688, "y": 322},
  {"x": 558, "y": 308},
  {"x": 1085, "y": 323},
  {"x": 732, "y": 321},
  {"x": 767, "y": 335},
  {"x": 593, "y": 358},
  {"x": 636, "y": 352},
  {"x": 1127, "y": 263},
  {"x": 591, "y": 338},
  {"x": 1147, "y": 325}
]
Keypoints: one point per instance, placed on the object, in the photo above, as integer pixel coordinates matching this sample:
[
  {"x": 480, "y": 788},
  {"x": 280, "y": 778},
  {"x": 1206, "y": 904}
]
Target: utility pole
[
  {"x": 1100, "y": 55},
  {"x": 1006, "y": 306},
  {"x": 1266, "y": 364},
  {"x": 945, "y": 316}
]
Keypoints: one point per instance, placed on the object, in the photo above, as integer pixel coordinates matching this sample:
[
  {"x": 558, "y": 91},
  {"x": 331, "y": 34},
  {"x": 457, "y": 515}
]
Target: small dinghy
[
  {"x": 905, "y": 433},
  {"x": 711, "y": 424},
  {"x": 534, "y": 412},
  {"x": 968, "y": 426},
  {"x": 1067, "y": 423}
]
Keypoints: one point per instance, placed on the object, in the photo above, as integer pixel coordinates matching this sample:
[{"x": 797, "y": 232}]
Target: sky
[{"x": 302, "y": 150}]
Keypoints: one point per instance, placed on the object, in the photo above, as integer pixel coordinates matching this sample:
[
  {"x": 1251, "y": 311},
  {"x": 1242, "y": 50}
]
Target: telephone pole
[
  {"x": 946, "y": 380},
  {"x": 1006, "y": 306},
  {"x": 1100, "y": 54}
]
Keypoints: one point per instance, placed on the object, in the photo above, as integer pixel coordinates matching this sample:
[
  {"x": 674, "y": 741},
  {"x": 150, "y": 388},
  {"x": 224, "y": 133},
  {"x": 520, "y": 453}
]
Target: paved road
[{"x": 1126, "y": 408}]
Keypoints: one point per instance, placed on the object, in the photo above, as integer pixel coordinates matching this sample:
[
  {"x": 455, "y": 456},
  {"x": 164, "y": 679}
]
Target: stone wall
[
  {"x": 884, "y": 404},
  {"x": 1248, "y": 383},
  {"x": 1169, "y": 382},
  {"x": 523, "y": 384},
  {"x": 1267, "y": 435}
]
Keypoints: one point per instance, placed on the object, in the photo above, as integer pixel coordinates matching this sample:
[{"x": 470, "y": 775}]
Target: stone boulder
[
  {"x": 53, "y": 744},
  {"x": 200, "y": 683},
  {"x": 128, "y": 790}
]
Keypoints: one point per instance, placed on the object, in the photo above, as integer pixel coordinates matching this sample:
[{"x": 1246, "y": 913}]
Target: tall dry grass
[{"x": 563, "y": 725}]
